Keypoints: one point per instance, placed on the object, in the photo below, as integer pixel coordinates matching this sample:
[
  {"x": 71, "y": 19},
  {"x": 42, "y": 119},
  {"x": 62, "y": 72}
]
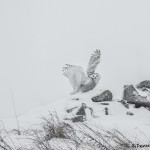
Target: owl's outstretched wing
[
  {"x": 75, "y": 74},
  {"x": 94, "y": 61}
]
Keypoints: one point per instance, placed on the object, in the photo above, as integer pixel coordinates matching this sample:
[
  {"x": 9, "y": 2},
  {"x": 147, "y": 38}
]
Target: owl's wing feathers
[
  {"x": 75, "y": 74},
  {"x": 93, "y": 62}
]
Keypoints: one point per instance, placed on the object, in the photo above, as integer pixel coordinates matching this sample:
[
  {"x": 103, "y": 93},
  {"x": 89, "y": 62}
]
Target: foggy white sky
[{"x": 38, "y": 37}]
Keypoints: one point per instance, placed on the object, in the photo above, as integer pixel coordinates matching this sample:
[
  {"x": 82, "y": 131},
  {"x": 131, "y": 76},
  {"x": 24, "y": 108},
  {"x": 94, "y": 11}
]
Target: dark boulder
[
  {"x": 130, "y": 113},
  {"x": 78, "y": 119},
  {"x": 129, "y": 91},
  {"x": 104, "y": 96},
  {"x": 81, "y": 110},
  {"x": 132, "y": 96},
  {"x": 80, "y": 115},
  {"x": 139, "y": 101},
  {"x": 144, "y": 84}
]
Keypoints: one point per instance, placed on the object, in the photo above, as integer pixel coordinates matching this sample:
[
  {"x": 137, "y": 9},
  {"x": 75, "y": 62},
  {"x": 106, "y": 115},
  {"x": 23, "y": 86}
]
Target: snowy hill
[{"x": 131, "y": 125}]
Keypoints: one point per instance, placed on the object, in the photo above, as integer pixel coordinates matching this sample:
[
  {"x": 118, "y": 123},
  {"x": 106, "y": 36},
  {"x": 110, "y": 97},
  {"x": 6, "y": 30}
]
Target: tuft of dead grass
[{"x": 56, "y": 134}]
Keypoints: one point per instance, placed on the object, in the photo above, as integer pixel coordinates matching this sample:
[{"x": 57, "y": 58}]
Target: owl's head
[{"x": 95, "y": 76}]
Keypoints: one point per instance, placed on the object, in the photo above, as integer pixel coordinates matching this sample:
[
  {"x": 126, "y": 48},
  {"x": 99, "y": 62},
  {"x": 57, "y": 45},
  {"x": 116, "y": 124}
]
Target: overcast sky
[{"x": 38, "y": 37}]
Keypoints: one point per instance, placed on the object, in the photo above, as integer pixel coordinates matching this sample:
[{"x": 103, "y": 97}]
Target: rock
[
  {"x": 75, "y": 99},
  {"x": 124, "y": 102},
  {"x": 71, "y": 109},
  {"x": 104, "y": 103},
  {"x": 104, "y": 96},
  {"x": 144, "y": 84},
  {"x": 81, "y": 110},
  {"x": 79, "y": 119},
  {"x": 139, "y": 101},
  {"x": 129, "y": 91},
  {"x": 130, "y": 113},
  {"x": 133, "y": 97},
  {"x": 80, "y": 115},
  {"x": 106, "y": 111}
]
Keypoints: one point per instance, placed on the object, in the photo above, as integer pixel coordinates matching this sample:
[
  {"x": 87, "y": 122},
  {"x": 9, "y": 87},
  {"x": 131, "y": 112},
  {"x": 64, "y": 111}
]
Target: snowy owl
[{"x": 78, "y": 80}]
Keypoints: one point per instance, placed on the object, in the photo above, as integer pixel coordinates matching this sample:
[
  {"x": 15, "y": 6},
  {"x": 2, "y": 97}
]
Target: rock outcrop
[
  {"x": 129, "y": 92},
  {"x": 80, "y": 115},
  {"x": 78, "y": 119},
  {"x": 102, "y": 97},
  {"x": 144, "y": 84},
  {"x": 81, "y": 110},
  {"x": 132, "y": 96}
]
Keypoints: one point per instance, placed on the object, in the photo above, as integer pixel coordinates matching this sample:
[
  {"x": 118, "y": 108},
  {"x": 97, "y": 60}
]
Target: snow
[{"x": 133, "y": 126}]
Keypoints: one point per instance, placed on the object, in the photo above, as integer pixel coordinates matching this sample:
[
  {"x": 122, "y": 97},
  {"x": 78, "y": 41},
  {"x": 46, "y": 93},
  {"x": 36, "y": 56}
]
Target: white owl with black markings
[{"x": 78, "y": 80}]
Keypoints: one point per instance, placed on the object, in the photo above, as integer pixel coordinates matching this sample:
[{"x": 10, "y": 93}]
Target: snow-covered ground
[{"x": 136, "y": 126}]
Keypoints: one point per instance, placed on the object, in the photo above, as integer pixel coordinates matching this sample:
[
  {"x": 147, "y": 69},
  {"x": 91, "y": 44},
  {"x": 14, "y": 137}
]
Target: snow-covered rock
[
  {"x": 103, "y": 96},
  {"x": 129, "y": 91},
  {"x": 144, "y": 84},
  {"x": 132, "y": 96}
]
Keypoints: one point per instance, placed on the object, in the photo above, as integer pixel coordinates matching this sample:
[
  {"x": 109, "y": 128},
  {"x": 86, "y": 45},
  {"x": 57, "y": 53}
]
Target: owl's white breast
[{"x": 88, "y": 85}]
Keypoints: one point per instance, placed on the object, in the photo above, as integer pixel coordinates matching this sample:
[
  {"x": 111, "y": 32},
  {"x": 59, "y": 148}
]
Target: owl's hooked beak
[{"x": 98, "y": 78}]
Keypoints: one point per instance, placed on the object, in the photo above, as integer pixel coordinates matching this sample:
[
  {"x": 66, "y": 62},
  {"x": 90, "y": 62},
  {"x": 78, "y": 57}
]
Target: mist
[{"x": 38, "y": 37}]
